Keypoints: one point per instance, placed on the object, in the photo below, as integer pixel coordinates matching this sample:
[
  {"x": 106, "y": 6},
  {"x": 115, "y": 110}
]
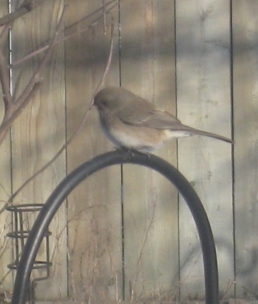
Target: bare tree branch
[
  {"x": 108, "y": 63},
  {"x": 4, "y": 35},
  {"x": 7, "y": 122},
  {"x": 4, "y": 71},
  {"x": 35, "y": 77},
  {"x": 2, "y": 137},
  {"x": 5, "y": 81},
  {"x": 78, "y": 129},
  {"x": 104, "y": 13},
  {"x": 26, "y": 7},
  {"x": 13, "y": 112},
  {"x": 75, "y": 33},
  {"x": 109, "y": 6},
  {"x": 34, "y": 83}
]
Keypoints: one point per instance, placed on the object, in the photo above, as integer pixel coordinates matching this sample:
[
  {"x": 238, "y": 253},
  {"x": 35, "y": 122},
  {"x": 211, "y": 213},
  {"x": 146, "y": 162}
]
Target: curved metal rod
[{"x": 112, "y": 158}]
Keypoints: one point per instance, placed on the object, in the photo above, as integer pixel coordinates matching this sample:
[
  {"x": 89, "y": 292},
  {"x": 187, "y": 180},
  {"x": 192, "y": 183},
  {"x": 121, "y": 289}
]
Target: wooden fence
[{"x": 195, "y": 58}]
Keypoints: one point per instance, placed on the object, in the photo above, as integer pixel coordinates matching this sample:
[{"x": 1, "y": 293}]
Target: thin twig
[
  {"x": 254, "y": 294},
  {"x": 229, "y": 288},
  {"x": 108, "y": 63},
  {"x": 26, "y": 7},
  {"x": 70, "y": 27},
  {"x": 4, "y": 72},
  {"x": 63, "y": 39},
  {"x": 3, "y": 134},
  {"x": 4, "y": 34},
  {"x": 7, "y": 122},
  {"x": 77, "y": 130},
  {"x": 41, "y": 66},
  {"x": 104, "y": 12},
  {"x": 143, "y": 246},
  {"x": 32, "y": 86},
  {"x": 4, "y": 276},
  {"x": 5, "y": 81}
]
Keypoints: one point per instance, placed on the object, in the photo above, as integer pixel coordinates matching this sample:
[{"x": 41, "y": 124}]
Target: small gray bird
[{"x": 133, "y": 122}]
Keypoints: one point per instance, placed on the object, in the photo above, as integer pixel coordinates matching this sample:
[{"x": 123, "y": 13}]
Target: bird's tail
[{"x": 193, "y": 131}]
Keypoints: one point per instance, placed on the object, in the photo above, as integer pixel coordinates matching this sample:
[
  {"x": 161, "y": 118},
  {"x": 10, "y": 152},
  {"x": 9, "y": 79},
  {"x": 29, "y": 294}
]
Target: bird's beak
[{"x": 94, "y": 102}]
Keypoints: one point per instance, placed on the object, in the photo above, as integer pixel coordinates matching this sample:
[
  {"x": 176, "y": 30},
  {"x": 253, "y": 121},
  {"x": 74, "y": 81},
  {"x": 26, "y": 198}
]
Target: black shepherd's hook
[{"x": 78, "y": 175}]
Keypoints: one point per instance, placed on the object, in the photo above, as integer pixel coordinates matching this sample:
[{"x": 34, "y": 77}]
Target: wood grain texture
[
  {"x": 182, "y": 65},
  {"x": 5, "y": 191},
  {"x": 94, "y": 208},
  {"x": 150, "y": 202},
  {"x": 203, "y": 101},
  {"x": 245, "y": 73},
  {"x": 39, "y": 133}
]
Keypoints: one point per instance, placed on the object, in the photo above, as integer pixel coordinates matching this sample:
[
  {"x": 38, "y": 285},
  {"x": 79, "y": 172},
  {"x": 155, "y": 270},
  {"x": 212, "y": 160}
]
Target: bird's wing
[
  {"x": 161, "y": 120},
  {"x": 143, "y": 113}
]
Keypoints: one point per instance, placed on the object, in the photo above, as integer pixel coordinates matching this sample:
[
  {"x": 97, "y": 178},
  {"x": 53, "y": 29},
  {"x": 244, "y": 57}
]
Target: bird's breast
[{"x": 134, "y": 136}]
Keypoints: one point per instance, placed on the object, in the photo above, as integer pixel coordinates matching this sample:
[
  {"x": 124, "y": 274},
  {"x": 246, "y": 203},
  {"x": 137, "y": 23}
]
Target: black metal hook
[{"x": 108, "y": 159}]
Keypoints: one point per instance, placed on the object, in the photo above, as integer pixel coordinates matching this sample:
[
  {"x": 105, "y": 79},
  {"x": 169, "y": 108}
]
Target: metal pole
[{"x": 85, "y": 170}]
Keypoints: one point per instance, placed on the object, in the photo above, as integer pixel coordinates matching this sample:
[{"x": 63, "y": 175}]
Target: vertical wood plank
[
  {"x": 203, "y": 87},
  {"x": 40, "y": 132},
  {"x": 150, "y": 202},
  {"x": 245, "y": 74},
  {"x": 5, "y": 191},
  {"x": 94, "y": 212}
]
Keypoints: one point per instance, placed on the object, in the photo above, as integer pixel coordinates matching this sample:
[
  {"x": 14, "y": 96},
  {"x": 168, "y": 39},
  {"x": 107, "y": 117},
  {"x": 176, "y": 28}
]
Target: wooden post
[
  {"x": 245, "y": 88},
  {"x": 40, "y": 132},
  {"x": 94, "y": 209},
  {"x": 5, "y": 191},
  {"x": 150, "y": 203},
  {"x": 204, "y": 102}
]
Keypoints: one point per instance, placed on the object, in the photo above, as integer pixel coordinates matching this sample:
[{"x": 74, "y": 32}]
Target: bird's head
[{"x": 109, "y": 98}]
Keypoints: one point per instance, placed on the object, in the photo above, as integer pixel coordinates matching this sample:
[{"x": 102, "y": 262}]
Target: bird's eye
[{"x": 104, "y": 102}]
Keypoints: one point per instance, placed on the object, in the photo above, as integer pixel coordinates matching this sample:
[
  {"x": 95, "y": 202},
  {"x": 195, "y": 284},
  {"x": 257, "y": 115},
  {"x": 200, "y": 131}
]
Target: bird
[{"x": 132, "y": 122}]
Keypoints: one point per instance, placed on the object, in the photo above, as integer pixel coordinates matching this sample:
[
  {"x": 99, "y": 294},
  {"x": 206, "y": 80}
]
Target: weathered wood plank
[
  {"x": 5, "y": 191},
  {"x": 40, "y": 132},
  {"x": 203, "y": 95},
  {"x": 245, "y": 73},
  {"x": 94, "y": 208},
  {"x": 150, "y": 202}
]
